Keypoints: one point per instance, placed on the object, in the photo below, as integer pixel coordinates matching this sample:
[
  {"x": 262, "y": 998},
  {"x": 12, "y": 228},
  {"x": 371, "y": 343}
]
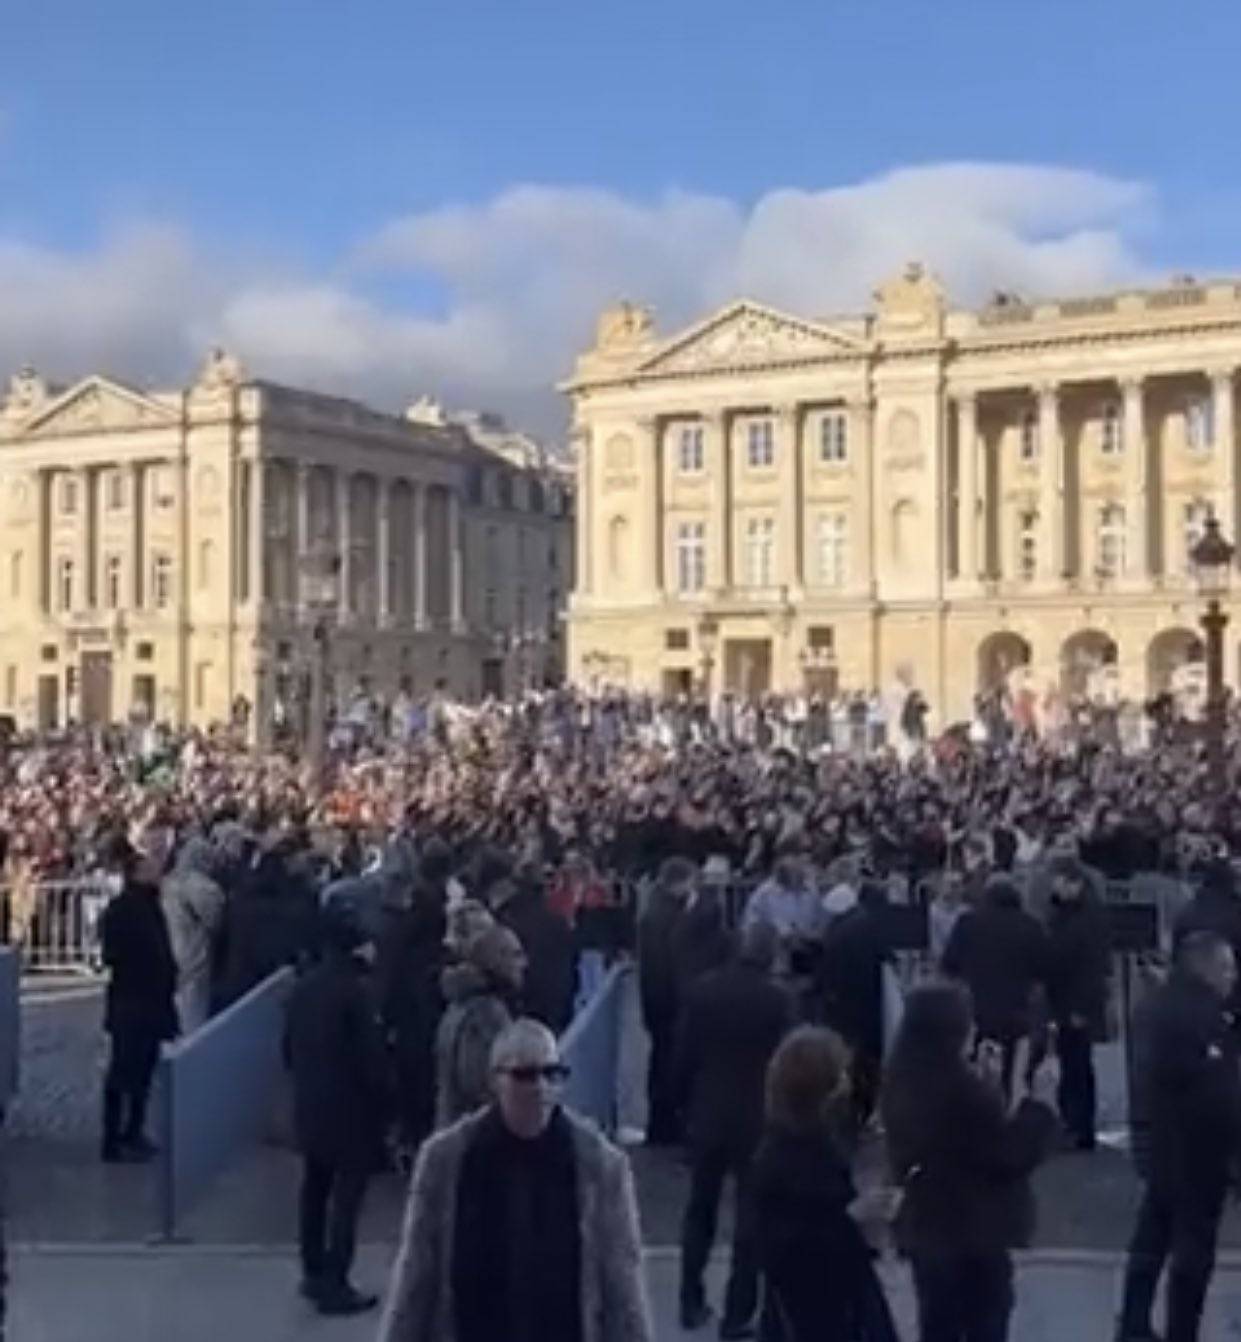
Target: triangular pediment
[
  {"x": 94, "y": 405},
  {"x": 748, "y": 335}
]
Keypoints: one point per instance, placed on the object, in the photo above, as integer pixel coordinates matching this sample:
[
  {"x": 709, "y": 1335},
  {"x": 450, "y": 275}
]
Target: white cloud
[{"x": 524, "y": 275}]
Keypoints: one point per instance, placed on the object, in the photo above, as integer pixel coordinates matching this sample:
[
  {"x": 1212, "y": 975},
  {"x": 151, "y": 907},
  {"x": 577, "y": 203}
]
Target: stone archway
[
  {"x": 1082, "y": 657},
  {"x": 998, "y": 655},
  {"x": 1170, "y": 652}
]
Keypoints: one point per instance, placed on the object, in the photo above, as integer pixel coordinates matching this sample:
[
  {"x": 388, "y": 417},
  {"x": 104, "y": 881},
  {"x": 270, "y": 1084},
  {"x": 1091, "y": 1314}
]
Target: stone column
[
  {"x": 584, "y": 537},
  {"x": 137, "y": 509},
  {"x": 258, "y": 533},
  {"x": 86, "y": 594},
  {"x": 420, "y": 556},
  {"x": 43, "y": 549},
  {"x": 456, "y": 550},
  {"x": 789, "y": 557},
  {"x": 861, "y": 452},
  {"x": 1223, "y": 420},
  {"x": 968, "y": 565},
  {"x": 344, "y": 540},
  {"x": 1051, "y": 486},
  {"x": 304, "y": 543},
  {"x": 383, "y": 550},
  {"x": 650, "y": 529},
  {"x": 1133, "y": 421},
  {"x": 719, "y": 520}
]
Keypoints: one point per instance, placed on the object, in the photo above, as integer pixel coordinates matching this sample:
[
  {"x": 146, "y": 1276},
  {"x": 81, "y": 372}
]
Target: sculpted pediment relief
[
  {"x": 748, "y": 335},
  {"x": 95, "y": 405}
]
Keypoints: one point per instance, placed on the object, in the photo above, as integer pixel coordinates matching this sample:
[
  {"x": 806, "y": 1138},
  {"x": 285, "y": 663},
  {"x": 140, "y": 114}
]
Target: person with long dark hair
[
  {"x": 819, "y": 1280},
  {"x": 963, "y": 1161}
]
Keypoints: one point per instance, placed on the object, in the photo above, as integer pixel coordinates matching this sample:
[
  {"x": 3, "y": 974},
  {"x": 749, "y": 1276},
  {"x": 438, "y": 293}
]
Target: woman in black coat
[
  {"x": 964, "y": 1164},
  {"x": 818, "y": 1271}
]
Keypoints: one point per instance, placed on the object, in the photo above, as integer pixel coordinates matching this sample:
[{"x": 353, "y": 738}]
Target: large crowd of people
[{"x": 449, "y": 885}]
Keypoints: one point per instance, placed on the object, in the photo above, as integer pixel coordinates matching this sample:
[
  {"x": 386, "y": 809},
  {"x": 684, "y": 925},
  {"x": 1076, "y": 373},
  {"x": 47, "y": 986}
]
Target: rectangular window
[
  {"x": 68, "y": 495},
  {"x": 161, "y": 581},
  {"x": 112, "y": 582},
  {"x": 64, "y": 583},
  {"x": 760, "y": 551},
  {"x": 760, "y": 443},
  {"x": 1200, "y": 424},
  {"x": 1111, "y": 539},
  {"x": 114, "y": 492},
  {"x": 1027, "y": 546},
  {"x": 676, "y": 640},
  {"x": 833, "y": 547},
  {"x": 691, "y": 455},
  {"x": 1111, "y": 444},
  {"x": 691, "y": 556},
  {"x": 834, "y": 437}
]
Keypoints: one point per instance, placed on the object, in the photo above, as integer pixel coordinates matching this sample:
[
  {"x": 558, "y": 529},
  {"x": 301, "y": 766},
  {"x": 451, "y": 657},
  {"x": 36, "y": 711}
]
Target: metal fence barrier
[
  {"x": 56, "y": 924},
  {"x": 591, "y": 1048},
  {"x": 215, "y": 1093},
  {"x": 10, "y": 1025}
]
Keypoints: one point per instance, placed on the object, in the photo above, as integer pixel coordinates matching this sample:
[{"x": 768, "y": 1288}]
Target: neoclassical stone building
[
  {"x": 174, "y": 552},
  {"x": 919, "y": 494}
]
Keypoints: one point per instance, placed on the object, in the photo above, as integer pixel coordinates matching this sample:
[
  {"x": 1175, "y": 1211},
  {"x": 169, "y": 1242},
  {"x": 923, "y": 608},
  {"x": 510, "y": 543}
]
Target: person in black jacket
[
  {"x": 731, "y": 1022},
  {"x": 1215, "y": 907},
  {"x": 335, "y": 1050},
  {"x": 551, "y": 969},
  {"x": 268, "y": 923},
  {"x": 1078, "y": 963},
  {"x": 855, "y": 950},
  {"x": 657, "y": 990},
  {"x": 1187, "y": 1071},
  {"x": 1000, "y": 952},
  {"x": 818, "y": 1271},
  {"x": 963, "y": 1161},
  {"x": 140, "y": 1006}
]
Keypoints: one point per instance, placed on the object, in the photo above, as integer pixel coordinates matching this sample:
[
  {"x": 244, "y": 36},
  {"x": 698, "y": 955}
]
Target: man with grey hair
[{"x": 522, "y": 1223}]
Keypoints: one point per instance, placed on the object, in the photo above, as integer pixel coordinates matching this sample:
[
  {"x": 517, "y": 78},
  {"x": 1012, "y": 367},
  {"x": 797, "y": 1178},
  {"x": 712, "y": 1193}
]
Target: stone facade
[
  {"x": 158, "y": 552},
  {"x": 917, "y": 495}
]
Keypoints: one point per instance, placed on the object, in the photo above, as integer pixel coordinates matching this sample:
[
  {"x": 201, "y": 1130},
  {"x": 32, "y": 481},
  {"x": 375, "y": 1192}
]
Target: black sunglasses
[{"x": 528, "y": 1075}]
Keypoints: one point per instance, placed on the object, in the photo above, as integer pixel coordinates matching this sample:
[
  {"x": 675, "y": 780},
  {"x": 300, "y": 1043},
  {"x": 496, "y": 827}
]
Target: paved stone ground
[{"x": 136, "y": 1295}]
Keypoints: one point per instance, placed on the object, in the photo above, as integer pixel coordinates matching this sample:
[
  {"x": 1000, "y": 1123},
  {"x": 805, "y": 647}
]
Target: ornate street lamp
[
  {"x": 1212, "y": 559},
  {"x": 708, "y": 642},
  {"x": 320, "y": 574}
]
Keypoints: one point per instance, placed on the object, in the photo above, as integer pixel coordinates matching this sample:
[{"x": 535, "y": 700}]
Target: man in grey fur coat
[{"x": 522, "y": 1224}]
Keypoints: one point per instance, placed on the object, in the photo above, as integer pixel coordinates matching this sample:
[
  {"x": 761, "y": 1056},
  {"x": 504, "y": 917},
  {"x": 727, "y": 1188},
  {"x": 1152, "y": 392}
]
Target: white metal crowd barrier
[{"x": 55, "y": 924}]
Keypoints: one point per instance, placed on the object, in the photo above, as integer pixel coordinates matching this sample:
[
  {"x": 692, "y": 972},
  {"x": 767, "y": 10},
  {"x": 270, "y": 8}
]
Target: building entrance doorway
[
  {"x": 96, "y": 693},
  {"x": 747, "y": 667},
  {"x": 144, "y": 698},
  {"x": 49, "y": 703},
  {"x": 492, "y": 678},
  {"x": 678, "y": 680}
]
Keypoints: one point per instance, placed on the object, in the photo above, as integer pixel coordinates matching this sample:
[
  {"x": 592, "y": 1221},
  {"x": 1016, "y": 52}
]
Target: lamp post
[
  {"x": 708, "y": 642},
  {"x": 1212, "y": 559},
  {"x": 320, "y": 597}
]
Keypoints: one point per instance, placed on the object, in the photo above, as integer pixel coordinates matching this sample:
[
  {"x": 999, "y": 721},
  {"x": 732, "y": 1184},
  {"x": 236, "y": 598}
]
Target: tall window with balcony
[
  {"x": 1111, "y": 432},
  {"x": 760, "y": 444},
  {"x": 112, "y": 582},
  {"x": 1199, "y": 424},
  {"x": 1027, "y": 545},
  {"x": 834, "y": 438},
  {"x": 1111, "y": 541},
  {"x": 691, "y": 455},
  {"x": 161, "y": 581},
  {"x": 833, "y": 550},
  {"x": 760, "y": 551},
  {"x": 1027, "y": 438},
  {"x": 1193, "y": 526},
  {"x": 65, "y": 578},
  {"x": 691, "y": 557}
]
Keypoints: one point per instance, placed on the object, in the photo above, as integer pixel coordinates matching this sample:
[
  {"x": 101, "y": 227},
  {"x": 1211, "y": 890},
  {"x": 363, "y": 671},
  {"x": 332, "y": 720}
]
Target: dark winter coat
[
  {"x": 700, "y": 941},
  {"x": 138, "y": 951},
  {"x": 963, "y": 1161},
  {"x": 657, "y": 964},
  {"x": 1216, "y": 908},
  {"x": 334, "y": 1047},
  {"x": 851, "y": 977},
  {"x": 268, "y": 924},
  {"x": 550, "y": 982},
  {"x": 1187, "y": 1086},
  {"x": 818, "y": 1267},
  {"x": 1078, "y": 962},
  {"x": 731, "y": 1023},
  {"x": 1000, "y": 951},
  {"x": 477, "y": 1011}
]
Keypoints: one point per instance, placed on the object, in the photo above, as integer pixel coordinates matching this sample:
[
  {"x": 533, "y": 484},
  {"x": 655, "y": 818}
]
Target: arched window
[{"x": 1111, "y": 541}]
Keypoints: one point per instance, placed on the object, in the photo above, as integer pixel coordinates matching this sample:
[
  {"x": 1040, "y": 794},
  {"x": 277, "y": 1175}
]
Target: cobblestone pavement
[{"x": 63, "y": 1056}]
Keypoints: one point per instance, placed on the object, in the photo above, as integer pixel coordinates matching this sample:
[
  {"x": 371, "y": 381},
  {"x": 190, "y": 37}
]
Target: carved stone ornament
[
  {"x": 618, "y": 454},
  {"x": 904, "y": 441},
  {"x": 221, "y": 371},
  {"x": 28, "y": 393},
  {"x": 96, "y": 407},
  {"x": 914, "y": 298},
  {"x": 749, "y": 336},
  {"x": 624, "y": 326}
]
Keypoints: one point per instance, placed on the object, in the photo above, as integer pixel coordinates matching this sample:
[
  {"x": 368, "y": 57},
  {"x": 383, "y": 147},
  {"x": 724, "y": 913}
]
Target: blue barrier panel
[
  {"x": 10, "y": 1024},
  {"x": 215, "y": 1094},
  {"x": 591, "y": 1047}
]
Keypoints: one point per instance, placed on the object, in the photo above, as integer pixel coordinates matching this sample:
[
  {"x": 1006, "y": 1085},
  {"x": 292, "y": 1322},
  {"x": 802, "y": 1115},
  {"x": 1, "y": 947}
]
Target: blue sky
[{"x": 391, "y": 197}]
